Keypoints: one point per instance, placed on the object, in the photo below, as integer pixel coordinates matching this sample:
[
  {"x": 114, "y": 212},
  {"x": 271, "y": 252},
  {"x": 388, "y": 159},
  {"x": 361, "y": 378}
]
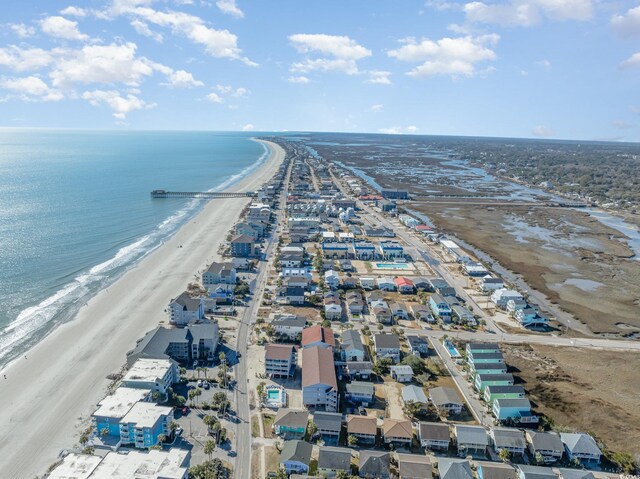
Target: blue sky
[{"x": 521, "y": 68}]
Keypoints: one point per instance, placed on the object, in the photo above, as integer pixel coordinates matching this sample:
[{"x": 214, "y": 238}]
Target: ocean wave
[{"x": 32, "y": 322}]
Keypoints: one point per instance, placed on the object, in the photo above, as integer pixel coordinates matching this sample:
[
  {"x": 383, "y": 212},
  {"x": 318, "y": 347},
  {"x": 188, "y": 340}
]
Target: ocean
[{"x": 75, "y": 212}]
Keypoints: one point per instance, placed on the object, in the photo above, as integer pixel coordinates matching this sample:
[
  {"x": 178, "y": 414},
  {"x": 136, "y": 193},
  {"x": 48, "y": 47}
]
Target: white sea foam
[{"x": 64, "y": 303}]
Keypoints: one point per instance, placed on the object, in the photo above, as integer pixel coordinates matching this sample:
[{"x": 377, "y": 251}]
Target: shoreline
[{"x": 54, "y": 388}]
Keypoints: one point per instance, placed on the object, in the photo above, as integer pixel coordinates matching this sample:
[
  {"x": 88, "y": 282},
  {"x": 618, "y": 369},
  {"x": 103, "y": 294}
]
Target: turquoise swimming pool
[
  {"x": 392, "y": 266},
  {"x": 273, "y": 394},
  {"x": 276, "y": 396},
  {"x": 451, "y": 349}
]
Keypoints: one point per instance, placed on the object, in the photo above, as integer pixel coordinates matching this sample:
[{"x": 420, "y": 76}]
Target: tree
[
  {"x": 173, "y": 427},
  {"x": 260, "y": 390},
  {"x": 352, "y": 440},
  {"x": 311, "y": 428},
  {"x": 382, "y": 365},
  {"x": 416, "y": 363},
  {"x": 162, "y": 438},
  {"x": 504, "y": 455},
  {"x": 539, "y": 458},
  {"x": 412, "y": 409},
  {"x": 281, "y": 473},
  {"x": 209, "y": 447}
]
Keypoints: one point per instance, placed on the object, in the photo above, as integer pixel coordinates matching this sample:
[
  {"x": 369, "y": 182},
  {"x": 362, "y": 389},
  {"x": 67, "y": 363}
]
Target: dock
[{"x": 201, "y": 194}]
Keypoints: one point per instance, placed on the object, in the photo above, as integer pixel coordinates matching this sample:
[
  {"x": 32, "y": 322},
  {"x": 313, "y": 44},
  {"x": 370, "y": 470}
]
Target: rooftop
[
  {"x": 317, "y": 333},
  {"x": 171, "y": 464},
  {"x": 441, "y": 396},
  {"x": 148, "y": 370},
  {"x": 362, "y": 425},
  {"x": 278, "y": 351},
  {"x": 145, "y": 414},
  {"x": 295, "y": 418},
  {"x": 384, "y": 340},
  {"x": 118, "y": 404},
  {"x": 414, "y": 466},
  {"x": 435, "y": 431},
  {"x": 318, "y": 367},
  {"x": 75, "y": 466},
  {"x": 338, "y": 458},
  {"x": 296, "y": 451}
]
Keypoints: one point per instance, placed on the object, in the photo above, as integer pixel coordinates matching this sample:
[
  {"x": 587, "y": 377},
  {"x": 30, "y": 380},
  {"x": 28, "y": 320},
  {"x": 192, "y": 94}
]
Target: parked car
[
  {"x": 206, "y": 385},
  {"x": 199, "y": 383}
]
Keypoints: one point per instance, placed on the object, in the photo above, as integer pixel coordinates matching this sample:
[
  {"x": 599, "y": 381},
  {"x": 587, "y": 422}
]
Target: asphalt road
[{"x": 243, "y": 437}]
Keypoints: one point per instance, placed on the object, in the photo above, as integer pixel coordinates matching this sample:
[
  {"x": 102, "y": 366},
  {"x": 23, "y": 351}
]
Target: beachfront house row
[
  {"x": 501, "y": 297},
  {"x": 217, "y": 273},
  {"x": 475, "y": 358},
  {"x": 489, "y": 284},
  {"x": 446, "y": 399},
  {"x": 280, "y": 360},
  {"x": 289, "y": 326},
  {"x": 319, "y": 384},
  {"x": 397, "y": 431},
  {"x": 332, "y": 460},
  {"x": 581, "y": 447},
  {"x": 440, "y": 307},
  {"x": 509, "y": 439},
  {"x": 332, "y": 279},
  {"x": 291, "y": 423},
  {"x": 471, "y": 439},
  {"x": 360, "y": 392},
  {"x": 404, "y": 285},
  {"x": 364, "y": 251},
  {"x": 329, "y": 426},
  {"x": 144, "y": 423},
  {"x": 391, "y": 250},
  {"x": 402, "y": 373},
  {"x": 511, "y": 409},
  {"x": 295, "y": 456},
  {"x": 387, "y": 346},
  {"x": 488, "y": 368},
  {"x": 185, "y": 309},
  {"x": 481, "y": 348},
  {"x": 385, "y": 284},
  {"x": 318, "y": 335},
  {"x": 434, "y": 435},
  {"x": 351, "y": 347},
  {"x": 290, "y": 295},
  {"x": 335, "y": 250},
  {"x": 414, "y": 466},
  {"x": 491, "y": 393},
  {"x": 418, "y": 345},
  {"x": 375, "y": 465},
  {"x": 481, "y": 380},
  {"x": 242, "y": 246},
  {"x": 295, "y": 272},
  {"x": 364, "y": 428},
  {"x": 156, "y": 375},
  {"x": 547, "y": 444}
]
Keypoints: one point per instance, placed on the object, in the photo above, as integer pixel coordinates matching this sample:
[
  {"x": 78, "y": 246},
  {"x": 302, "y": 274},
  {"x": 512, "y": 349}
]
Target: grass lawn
[
  {"x": 267, "y": 423},
  {"x": 255, "y": 427}
]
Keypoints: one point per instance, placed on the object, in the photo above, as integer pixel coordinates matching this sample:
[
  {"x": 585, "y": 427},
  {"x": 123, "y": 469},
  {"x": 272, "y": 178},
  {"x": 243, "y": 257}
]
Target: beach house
[
  {"x": 351, "y": 347},
  {"x": 387, "y": 346},
  {"x": 508, "y": 439},
  {"x": 402, "y": 373},
  {"x": 511, "y": 409},
  {"x": 434, "y": 435},
  {"x": 295, "y": 456},
  {"x": 242, "y": 246},
  {"x": 280, "y": 360},
  {"x": 113, "y": 407},
  {"x": 184, "y": 309},
  {"x": 449, "y": 468},
  {"x": 404, "y": 285},
  {"x": 364, "y": 250},
  {"x": 291, "y": 423},
  {"x": 375, "y": 464},
  {"x": 289, "y": 326},
  {"x": 414, "y": 466},
  {"x": 217, "y": 273},
  {"x": 398, "y": 432},
  {"x": 319, "y": 384},
  {"x": 391, "y": 250},
  {"x": 329, "y": 426},
  {"x": 332, "y": 460},
  {"x": 144, "y": 423},
  {"x": 446, "y": 399},
  {"x": 360, "y": 392},
  {"x": 440, "y": 307},
  {"x": 318, "y": 335},
  {"x": 471, "y": 440},
  {"x": 364, "y": 428},
  {"x": 156, "y": 375},
  {"x": 581, "y": 447},
  {"x": 547, "y": 444}
]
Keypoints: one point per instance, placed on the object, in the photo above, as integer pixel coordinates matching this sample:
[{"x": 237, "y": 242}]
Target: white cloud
[
  {"x": 60, "y": 27},
  {"x": 377, "y": 108},
  {"x": 247, "y": 127},
  {"x": 298, "y": 79},
  {"x": 229, "y": 7},
  {"x": 526, "y": 13},
  {"x": 106, "y": 64},
  {"x": 72, "y": 11},
  {"x": 379, "y": 77},
  {"x": 143, "y": 29},
  {"x": 337, "y": 53},
  {"x": 217, "y": 43},
  {"x": 399, "y": 130},
  {"x": 442, "y": 5},
  {"x": 542, "y": 131},
  {"x": 447, "y": 56},
  {"x": 628, "y": 24},
  {"x": 231, "y": 91},
  {"x": 214, "y": 98},
  {"x": 22, "y": 30},
  {"x": 25, "y": 59},
  {"x": 31, "y": 88},
  {"x": 632, "y": 62},
  {"x": 120, "y": 105},
  {"x": 182, "y": 79}
]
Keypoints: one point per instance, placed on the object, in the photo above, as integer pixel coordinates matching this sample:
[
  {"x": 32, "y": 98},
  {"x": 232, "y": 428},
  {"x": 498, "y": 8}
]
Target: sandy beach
[{"x": 48, "y": 394}]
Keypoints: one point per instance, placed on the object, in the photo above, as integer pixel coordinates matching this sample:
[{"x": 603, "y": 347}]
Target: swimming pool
[
  {"x": 392, "y": 266},
  {"x": 451, "y": 349},
  {"x": 276, "y": 396}
]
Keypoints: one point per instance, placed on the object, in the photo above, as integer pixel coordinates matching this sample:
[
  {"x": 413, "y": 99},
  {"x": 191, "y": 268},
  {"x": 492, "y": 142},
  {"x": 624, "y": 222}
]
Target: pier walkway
[{"x": 201, "y": 194}]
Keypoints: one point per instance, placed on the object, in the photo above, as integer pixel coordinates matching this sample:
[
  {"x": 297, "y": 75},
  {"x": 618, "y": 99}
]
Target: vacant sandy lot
[
  {"x": 574, "y": 260},
  {"x": 591, "y": 391}
]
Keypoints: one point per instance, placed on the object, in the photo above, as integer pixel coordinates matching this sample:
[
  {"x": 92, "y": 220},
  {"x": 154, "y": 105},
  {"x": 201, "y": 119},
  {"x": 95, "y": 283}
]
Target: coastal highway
[{"x": 243, "y": 438}]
